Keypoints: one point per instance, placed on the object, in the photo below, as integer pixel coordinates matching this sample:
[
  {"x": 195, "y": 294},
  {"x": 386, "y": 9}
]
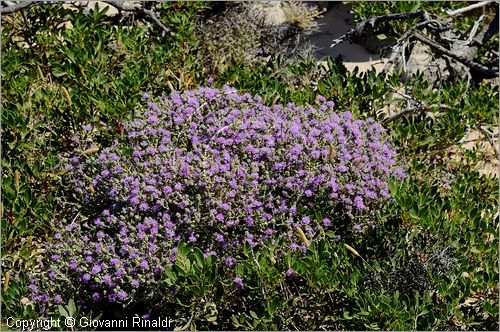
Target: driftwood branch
[
  {"x": 16, "y": 7},
  {"x": 487, "y": 72},
  {"x": 115, "y": 3},
  {"x": 432, "y": 25},
  {"x": 419, "y": 107},
  {"x": 468, "y": 8},
  {"x": 489, "y": 138},
  {"x": 370, "y": 23},
  {"x": 462, "y": 51},
  {"x": 149, "y": 13}
]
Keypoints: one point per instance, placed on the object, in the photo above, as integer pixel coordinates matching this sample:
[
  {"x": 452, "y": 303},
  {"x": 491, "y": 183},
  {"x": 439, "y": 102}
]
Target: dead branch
[
  {"x": 487, "y": 72},
  {"x": 490, "y": 31},
  {"x": 115, "y": 3},
  {"x": 474, "y": 29},
  {"x": 419, "y": 107},
  {"x": 16, "y": 7},
  {"x": 370, "y": 23},
  {"x": 489, "y": 138},
  {"x": 432, "y": 25},
  {"x": 468, "y": 8},
  {"x": 149, "y": 13}
]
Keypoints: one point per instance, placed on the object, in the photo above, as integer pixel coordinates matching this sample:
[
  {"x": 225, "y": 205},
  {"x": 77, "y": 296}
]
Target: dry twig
[
  {"x": 115, "y": 3},
  {"x": 487, "y": 72},
  {"x": 419, "y": 106},
  {"x": 358, "y": 30},
  {"x": 468, "y": 8}
]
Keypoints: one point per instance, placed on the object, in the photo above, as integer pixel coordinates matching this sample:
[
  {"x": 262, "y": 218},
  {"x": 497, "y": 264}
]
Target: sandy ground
[{"x": 333, "y": 24}]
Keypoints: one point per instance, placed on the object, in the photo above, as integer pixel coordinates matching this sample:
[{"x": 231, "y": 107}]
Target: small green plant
[{"x": 443, "y": 220}]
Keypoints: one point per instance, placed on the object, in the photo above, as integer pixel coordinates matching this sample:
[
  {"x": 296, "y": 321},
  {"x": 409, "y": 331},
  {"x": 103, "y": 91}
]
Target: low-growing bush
[{"x": 216, "y": 169}]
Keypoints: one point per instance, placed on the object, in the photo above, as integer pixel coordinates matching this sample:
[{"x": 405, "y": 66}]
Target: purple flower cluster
[{"x": 220, "y": 170}]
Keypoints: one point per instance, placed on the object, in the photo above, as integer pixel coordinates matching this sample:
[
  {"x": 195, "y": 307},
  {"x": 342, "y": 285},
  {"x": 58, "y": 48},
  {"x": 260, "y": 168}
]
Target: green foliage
[
  {"x": 57, "y": 78},
  {"x": 442, "y": 224}
]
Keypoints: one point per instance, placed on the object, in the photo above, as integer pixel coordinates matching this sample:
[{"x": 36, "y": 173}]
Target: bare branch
[
  {"x": 119, "y": 5},
  {"x": 489, "y": 137},
  {"x": 358, "y": 30},
  {"x": 432, "y": 25},
  {"x": 488, "y": 72},
  {"x": 468, "y": 8},
  {"x": 419, "y": 106},
  {"x": 17, "y": 7},
  {"x": 473, "y": 32},
  {"x": 115, "y": 3}
]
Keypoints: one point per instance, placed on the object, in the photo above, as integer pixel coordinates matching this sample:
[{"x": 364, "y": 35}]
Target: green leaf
[
  {"x": 414, "y": 215},
  {"x": 330, "y": 234},
  {"x": 72, "y": 308},
  {"x": 235, "y": 321},
  {"x": 253, "y": 314},
  {"x": 240, "y": 270},
  {"x": 63, "y": 311},
  {"x": 198, "y": 255},
  {"x": 58, "y": 72},
  {"x": 183, "y": 302}
]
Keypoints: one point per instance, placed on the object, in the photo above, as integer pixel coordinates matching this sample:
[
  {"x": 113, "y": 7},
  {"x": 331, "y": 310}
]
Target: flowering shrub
[{"x": 219, "y": 170}]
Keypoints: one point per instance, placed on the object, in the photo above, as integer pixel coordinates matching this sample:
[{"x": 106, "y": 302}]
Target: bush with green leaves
[
  {"x": 218, "y": 169},
  {"x": 443, "y": 219}
]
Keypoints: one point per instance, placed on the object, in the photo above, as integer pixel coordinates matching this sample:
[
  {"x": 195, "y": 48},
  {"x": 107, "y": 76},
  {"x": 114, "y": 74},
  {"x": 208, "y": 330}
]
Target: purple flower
[
  {"x": 107, "y": 279},
  {"x": 72, "y": 265},
  {"x": 96, "y": 296},
  {"x": 239, "y": 282},
  {"x": 230, "y": 261},
  {"x": 51, "y": 274},
  {"x": 33, "y": 289},
  {"x": 144, "y": 265},
  {"x": 57, "y": 299},
  {"x": 143, "y": 206},
  {"x": 153, "y": 119},
  {"x": 289, "y": 272},
  {"x": 358, "y": 203},
  {"x": 306, "y": 220},
  {"x": 87, "y": 127},
  {"x": 121, "y": 295},
  {"x": 217, "y": 168},
  {"x": 219, "y": 238}
]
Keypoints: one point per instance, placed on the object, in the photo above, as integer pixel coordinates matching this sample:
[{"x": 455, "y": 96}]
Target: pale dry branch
[
  {"x": 358, "y": 30},
  {"x": 487, "y": 72},
  {"x": 115, "y": 3},
  {"x": 468, "y": 8},
  {"x": 419, "y": 107}
]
